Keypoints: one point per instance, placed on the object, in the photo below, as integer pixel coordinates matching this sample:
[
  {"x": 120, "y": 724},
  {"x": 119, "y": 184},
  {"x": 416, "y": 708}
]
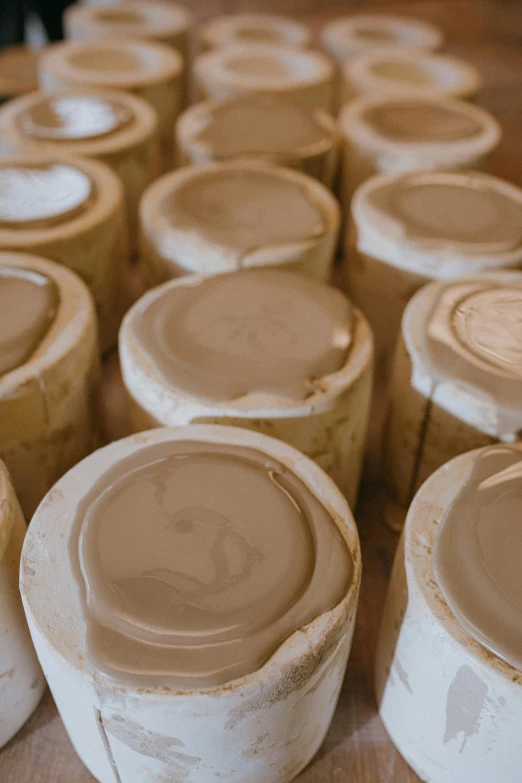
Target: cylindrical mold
[
  {"x": 18, "y": 71},
  {"x": 396, "y": 72},
  {"x": 393, "y": 134},
  {"x": 165, "y": 22},
  {"x": 409, "y": 229},
  {"x": 458, "y": 357},
  {"x": 263, "y": 727},
  {"x": 327, "y": 420},
  {"x": 152, "y": 71},
  {"x": 249, "y": 28},
  {"x": 70, "y": 210},
  {"x": 21, "y": 680},
  {"x": 349, "y": 36},
  {"x": 452, "y": 708},
  {"x": 48, "y": 404},
  {"x": 110, "y": 125},
  {"x": 302, "y": 76},
  {"x": 263, "y": 129},
  {"x": 220, "y": 217}
]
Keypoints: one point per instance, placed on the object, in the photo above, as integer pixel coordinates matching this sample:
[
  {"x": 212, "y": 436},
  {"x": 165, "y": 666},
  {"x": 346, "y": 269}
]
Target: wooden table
[{"x": 488, "y": 33}]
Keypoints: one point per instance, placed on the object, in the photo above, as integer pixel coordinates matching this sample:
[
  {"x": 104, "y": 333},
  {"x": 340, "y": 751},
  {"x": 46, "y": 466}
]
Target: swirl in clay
[
  {"x": 488, "y": 323},
  {"x": 196, "y": 561},
  {"x": 474, "y": 337}
]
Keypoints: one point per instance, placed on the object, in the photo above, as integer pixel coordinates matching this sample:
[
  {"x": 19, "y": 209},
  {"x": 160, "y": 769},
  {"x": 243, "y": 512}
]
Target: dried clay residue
[
  {"x": 291, "y": 679},
  {"x": 467, "y": 696},
  {"x": 156, "y": 746},
  {"x": 257, "y": 747},
  {"x": 403, "y": 674},
  {"x": 5, "y": 677}
]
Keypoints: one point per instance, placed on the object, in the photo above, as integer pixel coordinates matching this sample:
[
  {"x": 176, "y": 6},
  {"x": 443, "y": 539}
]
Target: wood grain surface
[{"x": 488, "y": 33}]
